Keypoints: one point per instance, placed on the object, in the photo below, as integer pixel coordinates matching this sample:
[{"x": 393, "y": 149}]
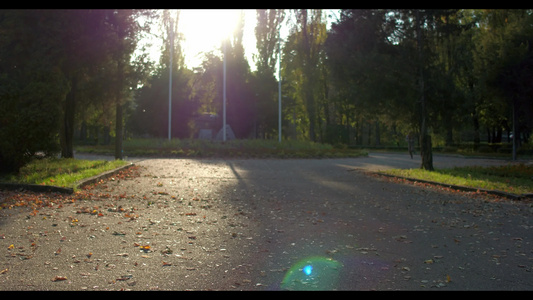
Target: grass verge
[
  {"x": 62, "y": 172},
  {"x": 194, "y": 148},
  {"x": 512, "y": 178}
]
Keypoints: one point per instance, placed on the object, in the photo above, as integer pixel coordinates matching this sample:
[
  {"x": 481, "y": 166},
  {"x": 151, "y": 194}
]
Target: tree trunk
[
  {"x": 83, "y": 131},
  {"x": 425, "y": 138},
  {"x": 118, "y": 131},
  {"x": 118, "y": 97},
  {"x": 449, "y": 131},
  {"x": 67, "y": 127},
  {"x": 118, "y": 105},
  {"x": 377, "y": 134},
  {"x": 426, "y": 153},
  {"x": 311, "y": 113},
  {"x": 477, "y": 138}
]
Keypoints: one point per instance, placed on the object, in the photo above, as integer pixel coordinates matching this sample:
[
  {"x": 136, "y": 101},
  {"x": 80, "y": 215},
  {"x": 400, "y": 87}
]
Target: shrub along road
[{"x": 208, "y": 224}]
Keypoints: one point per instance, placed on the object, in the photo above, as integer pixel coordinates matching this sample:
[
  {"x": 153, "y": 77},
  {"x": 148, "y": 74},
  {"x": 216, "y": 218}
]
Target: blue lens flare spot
[
  {"x": 307, "y": 270},
  {"x": 314, "y": 273}
]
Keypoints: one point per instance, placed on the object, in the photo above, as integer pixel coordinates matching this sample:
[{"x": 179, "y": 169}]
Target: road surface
[{"x": 270, "y": 224}]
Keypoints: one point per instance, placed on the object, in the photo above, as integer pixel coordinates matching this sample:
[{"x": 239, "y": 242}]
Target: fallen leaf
[
  {"x": 124, "y": 277},
  {"x": 59, "y": 278}
]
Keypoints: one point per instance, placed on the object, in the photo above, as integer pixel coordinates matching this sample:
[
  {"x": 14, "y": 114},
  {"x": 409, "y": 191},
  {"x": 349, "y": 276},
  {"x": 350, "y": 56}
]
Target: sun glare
[{"x": 204, "y": 29}]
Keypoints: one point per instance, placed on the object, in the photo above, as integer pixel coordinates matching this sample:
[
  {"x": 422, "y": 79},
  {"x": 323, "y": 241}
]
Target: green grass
[
  {"x": 63, "y": 172},
  {"x": 194, "y": 148},
  {"x": 512, "y": 178}
]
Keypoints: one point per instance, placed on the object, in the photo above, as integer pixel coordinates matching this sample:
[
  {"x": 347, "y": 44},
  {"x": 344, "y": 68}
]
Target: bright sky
[{"x": 204, "y": 29}]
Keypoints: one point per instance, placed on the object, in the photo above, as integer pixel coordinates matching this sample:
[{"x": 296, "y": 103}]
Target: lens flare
[
  {"x": 307, "y": 270},
  {"x": 312, "y": 274}
]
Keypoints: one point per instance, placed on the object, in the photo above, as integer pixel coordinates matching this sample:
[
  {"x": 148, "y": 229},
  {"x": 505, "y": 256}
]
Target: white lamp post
[
  {"x": 279, "y": 84},
  {"x": 224, "y": 96},
  {"x": 170, "y": 79}
]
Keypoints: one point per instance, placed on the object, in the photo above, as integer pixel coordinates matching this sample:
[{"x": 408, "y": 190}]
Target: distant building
[
  {"x": 229, "y": 134},
  {"x": 207, "y": 126}
]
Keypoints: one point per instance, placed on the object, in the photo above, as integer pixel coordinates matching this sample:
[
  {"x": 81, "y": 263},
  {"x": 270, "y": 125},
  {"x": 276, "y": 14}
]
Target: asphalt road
[{"x": 271, "y": 225}]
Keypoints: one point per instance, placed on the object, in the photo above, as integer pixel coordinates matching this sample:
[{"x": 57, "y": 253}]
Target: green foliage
[
  {"x": 469, "y": 67},
  {"x": 52, "y": 63},
  {"x": 151, "y": 102},
  {"x": 32, "y": 88},
  {"x": 363, "y": 81}
]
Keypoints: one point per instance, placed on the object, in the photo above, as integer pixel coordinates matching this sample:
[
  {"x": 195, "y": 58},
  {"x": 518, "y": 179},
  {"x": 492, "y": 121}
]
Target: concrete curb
[
  {"x": 35, "y": 188},
  {"x": 462, "y": 188},
  {"x": 101, "y": 176},
  {"x": 59, "y": 189}
]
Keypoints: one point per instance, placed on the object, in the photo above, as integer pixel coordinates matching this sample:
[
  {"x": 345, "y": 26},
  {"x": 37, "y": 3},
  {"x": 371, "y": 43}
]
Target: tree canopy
[{"x": 367, "y": 78}]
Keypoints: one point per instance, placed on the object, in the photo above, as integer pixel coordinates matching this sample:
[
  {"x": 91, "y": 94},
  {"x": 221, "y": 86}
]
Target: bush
[{"x": 30, "y": 111}]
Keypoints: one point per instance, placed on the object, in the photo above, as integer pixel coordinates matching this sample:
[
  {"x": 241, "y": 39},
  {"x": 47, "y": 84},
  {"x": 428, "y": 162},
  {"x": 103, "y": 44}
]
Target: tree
[
  {"x": 123, "y": 31},
  {"x": 32, "y": 86},
  {"x": 364, "y": 77},
  {"x": 303, "y": 50},
  {"x": 269, "y": 23},
  {"x": 406, "y": 67},
  {"x": 503, "y": 64},
  {"x": 240, "y": 97}
]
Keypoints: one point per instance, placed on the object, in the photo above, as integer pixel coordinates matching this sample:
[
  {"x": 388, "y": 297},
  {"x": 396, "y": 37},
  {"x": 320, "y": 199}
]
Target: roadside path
[{"x": 210, "y": 224}]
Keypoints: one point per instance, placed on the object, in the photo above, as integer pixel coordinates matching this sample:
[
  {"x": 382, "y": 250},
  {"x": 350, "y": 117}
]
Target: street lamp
[
  {"x": 170, "y": 78},
  {"x": 279, "y": 84},
  {"x": 224, "y": 96}
]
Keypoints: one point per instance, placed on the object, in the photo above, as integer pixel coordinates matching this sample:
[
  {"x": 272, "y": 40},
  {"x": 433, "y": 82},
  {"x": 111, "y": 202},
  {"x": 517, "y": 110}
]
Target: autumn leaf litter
[{"x": 141, "y": 230}]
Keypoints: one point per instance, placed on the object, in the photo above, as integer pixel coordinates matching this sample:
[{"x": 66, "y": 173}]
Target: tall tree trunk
[
  {"x": 449, "y": 131},
  {"x": 118, "y": 92},
  {"x": 119, "y": 131},
  {"x": 377, "y": 137},
  {"x": 477, "y": 138},
  {"x": 425, "y": 138},
  {"x": 426, "y": 152},
  {"x": 118, "y": 104},
  {"x": 66, "y": 136},
  {"x": 311, "y": 112},
  {"x": 309, "y": 77}
]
